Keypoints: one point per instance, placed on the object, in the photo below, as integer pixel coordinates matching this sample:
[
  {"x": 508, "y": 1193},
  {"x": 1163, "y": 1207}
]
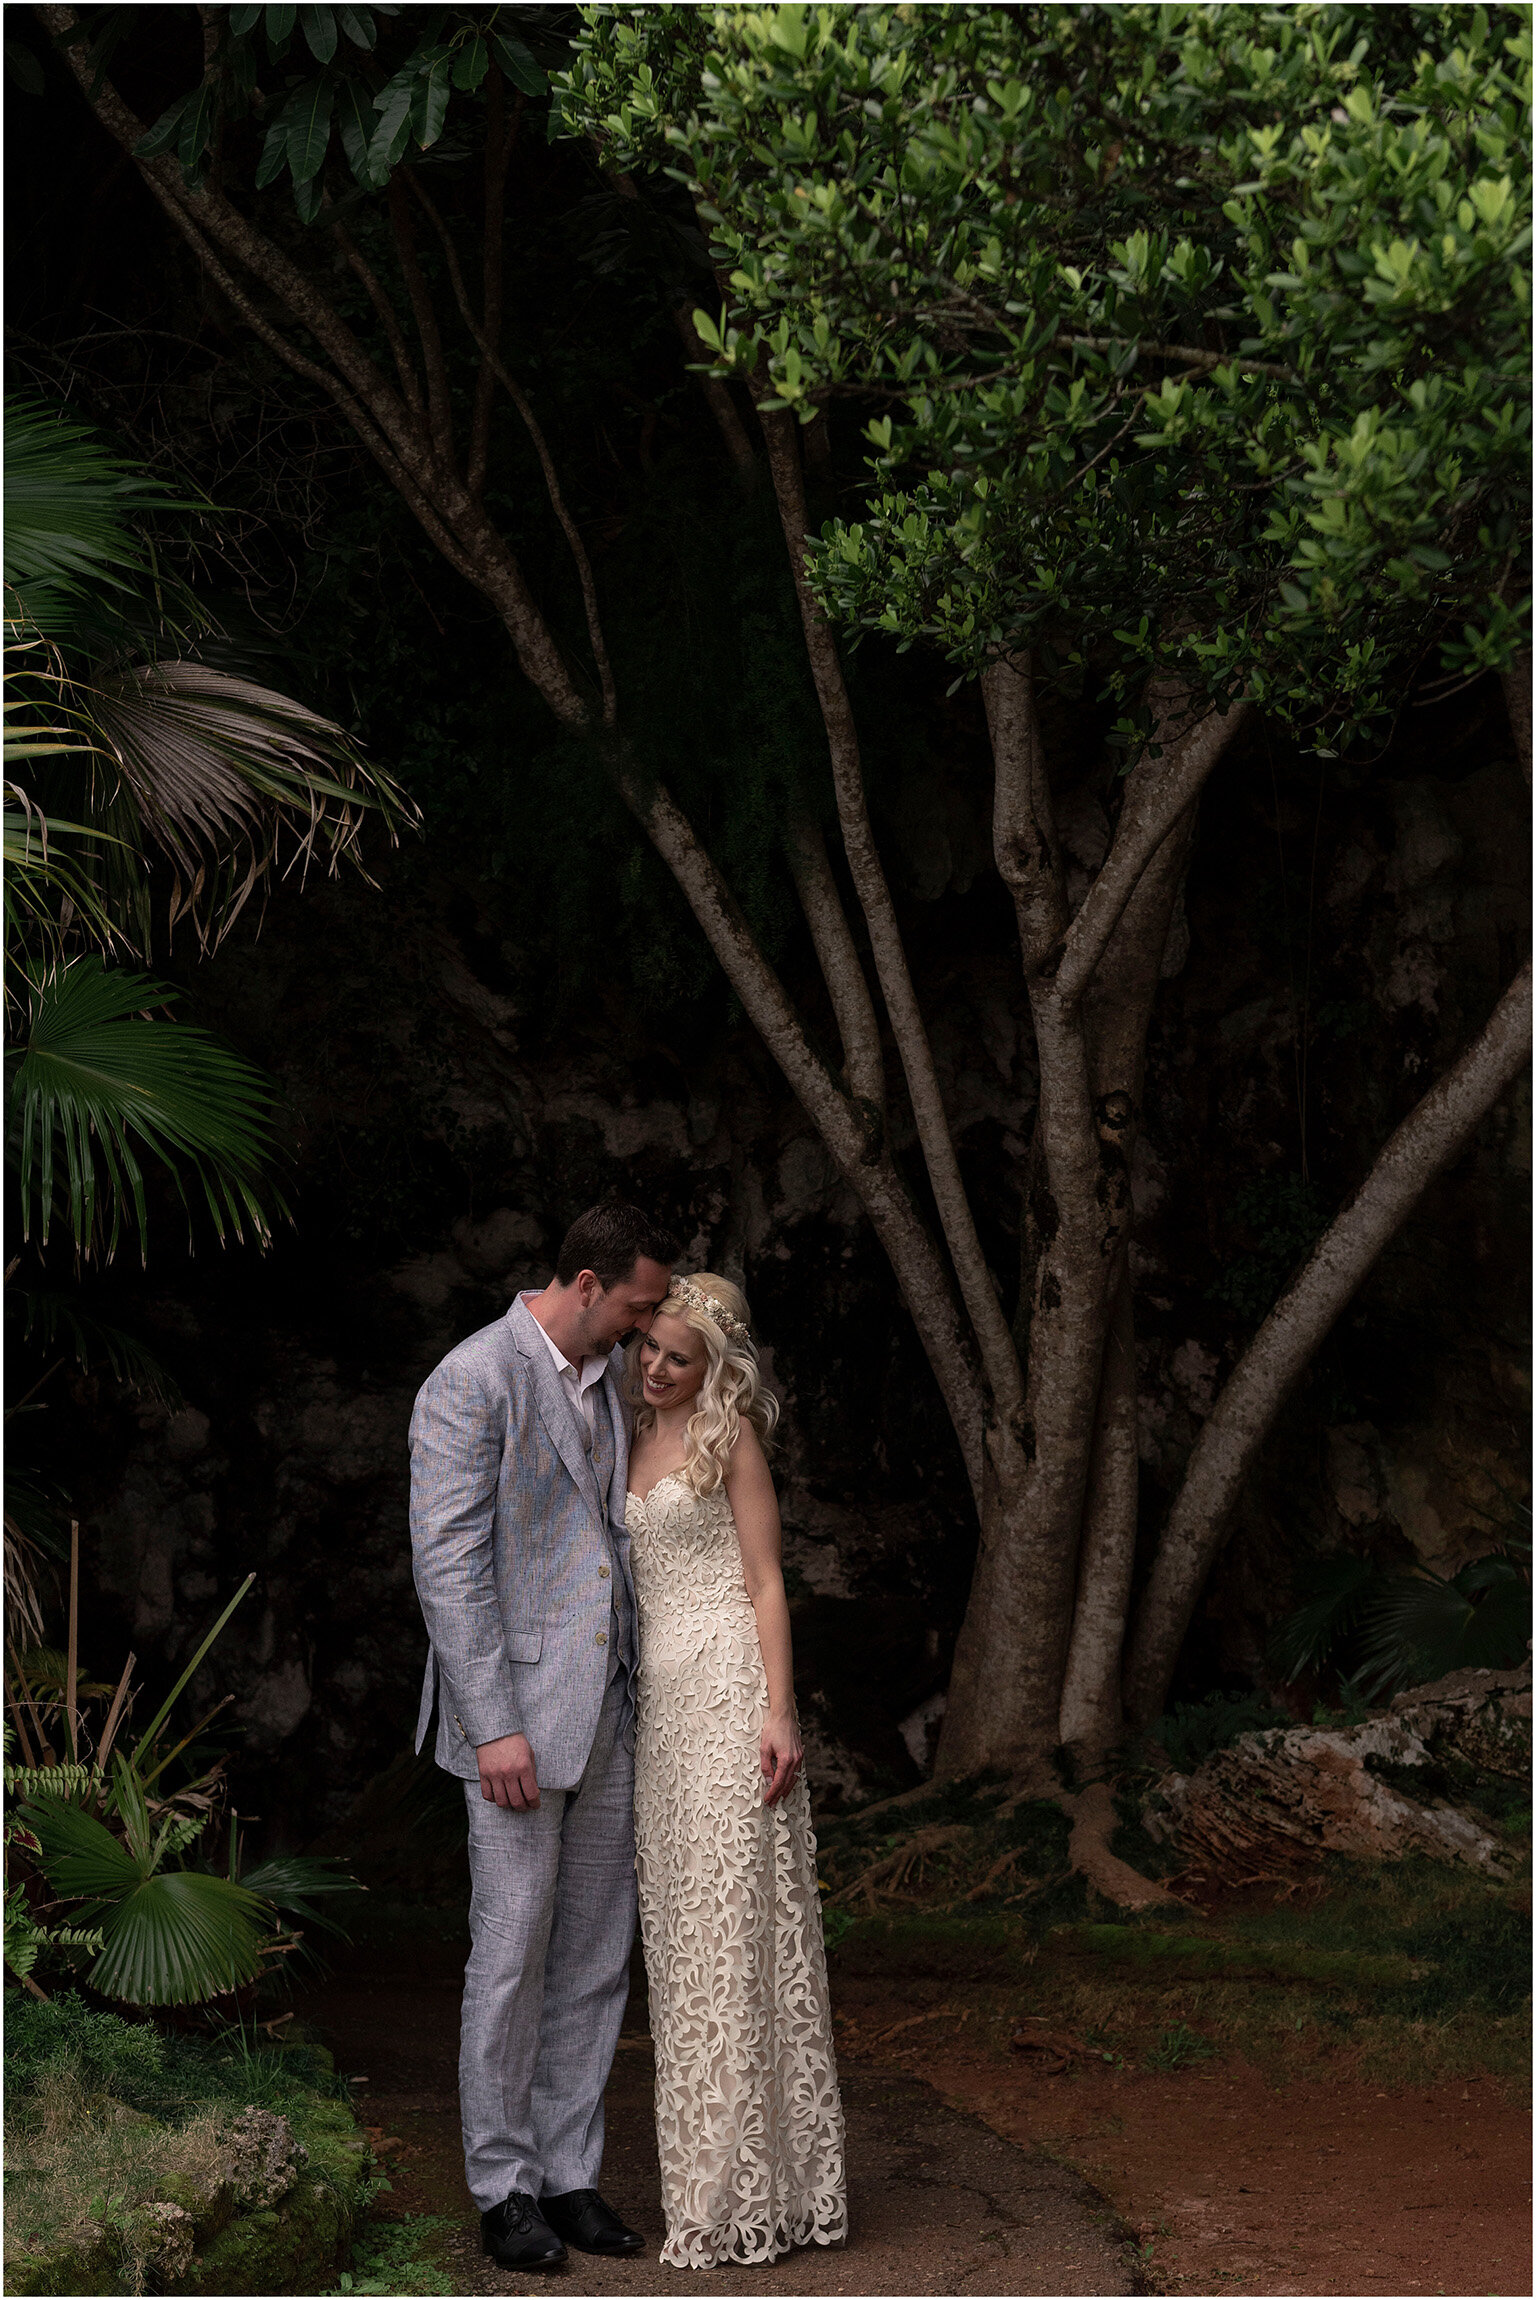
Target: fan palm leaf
[
  {"x": 228, "y": 781},
  {"x": 52, "y": 1321},
  {"x": 1423, "y": 1625},
  {"x": 71, "y": 513},
  {"x": 95, "y": 1081},
  {"x": 169, "y": 1936}
]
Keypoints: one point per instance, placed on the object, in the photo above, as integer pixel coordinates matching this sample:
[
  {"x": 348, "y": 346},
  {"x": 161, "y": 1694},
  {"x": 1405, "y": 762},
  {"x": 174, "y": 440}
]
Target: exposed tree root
[
  {"x": 1094, "y": 1821},
  {"x": 904, "y": 1866}
]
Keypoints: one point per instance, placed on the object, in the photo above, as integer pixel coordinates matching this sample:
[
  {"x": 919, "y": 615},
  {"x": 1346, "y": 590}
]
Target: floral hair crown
[{"x": 685, "y": 1290}]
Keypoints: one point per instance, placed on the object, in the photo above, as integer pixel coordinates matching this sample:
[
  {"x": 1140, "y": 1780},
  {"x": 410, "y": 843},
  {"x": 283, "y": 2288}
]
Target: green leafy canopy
[
  {"x": 1185, "y": 339},
  {"x": 354, "y": 100}
]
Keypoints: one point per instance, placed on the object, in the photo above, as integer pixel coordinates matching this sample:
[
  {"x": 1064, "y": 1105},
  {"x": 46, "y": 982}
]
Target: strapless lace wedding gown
[{"x": 749, "y": 2122}]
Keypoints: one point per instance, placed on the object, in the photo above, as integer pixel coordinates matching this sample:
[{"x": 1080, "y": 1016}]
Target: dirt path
[
  {"x": 939, "y": 2203},
  {"x": 1232, "y": 2184}
]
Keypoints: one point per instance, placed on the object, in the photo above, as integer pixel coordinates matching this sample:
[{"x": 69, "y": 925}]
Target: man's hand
[{"x": 507, "y": 1775}]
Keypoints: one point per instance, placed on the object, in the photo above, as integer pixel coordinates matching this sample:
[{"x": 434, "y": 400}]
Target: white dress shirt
[{"x": 578, "y": 1387}]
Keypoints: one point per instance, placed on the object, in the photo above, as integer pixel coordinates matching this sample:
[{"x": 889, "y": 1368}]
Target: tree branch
[
  {"x": 717, "y": 395},
  {"x": 439, "y": 397},
  {"x": 998, "y": 1356},
  {"x": 499, "y": 139},
  {"x": 1090, "y": 1693},
  {"x": 492, "y": 358},
  {"x": 1428, "y": 1140},
  {"x": 1159, "y": 792},
  {"x": 919, "y": 1270},
  {"x": 1515, "y": 679},
  {"x": 857, "y": 1024},
  {"x": 358, "y": 264}
]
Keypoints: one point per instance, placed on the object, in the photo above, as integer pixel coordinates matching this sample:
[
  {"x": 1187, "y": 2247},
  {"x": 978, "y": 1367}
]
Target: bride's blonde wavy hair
[{"x": 732, "y": 1391}]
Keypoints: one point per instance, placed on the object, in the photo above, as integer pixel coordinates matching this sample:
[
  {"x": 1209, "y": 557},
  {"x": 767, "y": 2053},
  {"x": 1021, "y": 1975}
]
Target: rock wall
[{"x": 1339, "y": 936}]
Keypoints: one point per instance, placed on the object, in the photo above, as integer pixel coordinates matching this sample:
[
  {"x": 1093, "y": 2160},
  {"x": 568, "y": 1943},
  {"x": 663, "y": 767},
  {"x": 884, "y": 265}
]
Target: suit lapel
[
  {"x": 554, "y": 1412},
  {"x": 617, "y": 1444}
]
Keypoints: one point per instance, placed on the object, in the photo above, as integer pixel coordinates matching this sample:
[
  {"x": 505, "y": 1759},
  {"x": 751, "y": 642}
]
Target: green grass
[{"x": 1403, "y": 1972}]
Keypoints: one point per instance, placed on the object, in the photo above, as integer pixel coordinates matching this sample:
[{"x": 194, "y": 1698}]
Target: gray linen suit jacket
[{"x": 509, "y": 1540}]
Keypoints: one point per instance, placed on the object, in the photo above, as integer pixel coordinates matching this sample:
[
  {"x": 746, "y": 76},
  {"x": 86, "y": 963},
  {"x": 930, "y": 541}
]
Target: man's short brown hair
[{"x": 609, "y": 1240}]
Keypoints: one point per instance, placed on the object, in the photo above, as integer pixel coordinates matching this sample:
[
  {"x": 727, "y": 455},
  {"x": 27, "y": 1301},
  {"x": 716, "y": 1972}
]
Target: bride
[{"x": 749, "y": 2122}]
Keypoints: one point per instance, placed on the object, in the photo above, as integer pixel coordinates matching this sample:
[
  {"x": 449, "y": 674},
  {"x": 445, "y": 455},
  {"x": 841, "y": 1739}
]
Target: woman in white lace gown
[{"x": 749, "y": 2122}]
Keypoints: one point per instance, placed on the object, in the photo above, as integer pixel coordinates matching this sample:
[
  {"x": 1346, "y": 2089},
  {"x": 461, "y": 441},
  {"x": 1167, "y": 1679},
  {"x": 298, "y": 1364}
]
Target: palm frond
[
  {"x": 52, "y": 1318},
  {"x": 180, "y": 1938},
  {"x": 1422, "y": 1626},
  {"x": 50, "y": 886},
  {"x": 70, "y": 512},
  {"x": 34, "y": 1517},
  {"x": 95, "y": 1081},
  {"x": 291, "y": 1882},
  {"x": 1336, "y": 1589},
  {"x": 230, "y": 781}
]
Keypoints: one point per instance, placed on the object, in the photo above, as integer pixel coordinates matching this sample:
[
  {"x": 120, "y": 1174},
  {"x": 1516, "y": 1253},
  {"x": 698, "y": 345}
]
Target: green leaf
[
  {"x": 78, "y": 1855},
  {"x": 165, "y": 131},
  {"x": 471, "y": 63},
  {"x": 429, "y": 101},
  {"x": 280, "y": 23},
  {"x": 358, "y": 25},
  {"x": 197, "y": 128},
  {"x": 518, "y": 63},
  {"x": 274, "y": 155},
  {"x": 307, "y": 115},
  {"x": 93, "y": 1084},
  {"x": 69, "y": 501},
  {"x": 308, "y": 199},
  {"x": 244, "y": 20},
  {"x": 23, "y": 67},
  {"x": 180, "y": 1938},
  {"x": 318, "y": 26},
  {"x": 390, "y": 137},
  {"x": 356, "y": 120}
]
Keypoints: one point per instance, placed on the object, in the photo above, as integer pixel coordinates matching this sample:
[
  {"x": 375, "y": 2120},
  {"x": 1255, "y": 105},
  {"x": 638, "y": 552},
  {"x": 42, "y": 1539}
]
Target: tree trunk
[
  {"x": 1428, "y": 1140},
  {"x": 1118, "y": 1005},
  {"x": 1091, "y": 985},
  {"x": 1090, "y": 1694}
]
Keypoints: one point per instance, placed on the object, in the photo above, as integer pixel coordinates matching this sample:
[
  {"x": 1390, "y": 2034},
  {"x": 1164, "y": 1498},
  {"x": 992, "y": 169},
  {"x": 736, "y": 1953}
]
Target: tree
[{"x": 1115, "y": 449}]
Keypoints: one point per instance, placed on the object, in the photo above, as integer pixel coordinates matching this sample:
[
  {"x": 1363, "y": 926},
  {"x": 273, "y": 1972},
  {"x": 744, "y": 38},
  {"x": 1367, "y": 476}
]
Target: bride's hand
[{"x": 781, "y": 1756}]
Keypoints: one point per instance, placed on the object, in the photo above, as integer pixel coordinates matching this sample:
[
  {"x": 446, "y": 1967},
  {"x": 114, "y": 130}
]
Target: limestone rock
[
  {"x": 162, "y": 2235},
  {"x": 262, "y": 2160},
  {"x": 1278, "y": 1801}
]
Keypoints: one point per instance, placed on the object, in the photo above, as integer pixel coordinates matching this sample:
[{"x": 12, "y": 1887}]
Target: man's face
[{"x": 609, "y": 1314}]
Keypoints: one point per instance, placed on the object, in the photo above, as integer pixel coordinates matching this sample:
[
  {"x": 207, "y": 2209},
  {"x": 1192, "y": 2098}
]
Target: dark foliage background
[{"x": 523, "y": 1016}]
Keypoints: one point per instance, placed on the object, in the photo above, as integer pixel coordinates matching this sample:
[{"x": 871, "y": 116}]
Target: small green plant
[
  {"x": 388, "y": 2257},
  {"x": 837, "y": 1924},
  {"x": 102, "y": 1837},
  {"x": 1179, "y": 2048}
]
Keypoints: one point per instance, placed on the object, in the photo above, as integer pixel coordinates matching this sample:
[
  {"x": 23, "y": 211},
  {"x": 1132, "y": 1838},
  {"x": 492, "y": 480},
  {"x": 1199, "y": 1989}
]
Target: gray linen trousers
[{"x": 521, "y": 1562}]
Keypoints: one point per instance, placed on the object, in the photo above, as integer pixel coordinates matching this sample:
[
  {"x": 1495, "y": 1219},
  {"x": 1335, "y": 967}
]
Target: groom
[{"x": 519, "y": 1465}]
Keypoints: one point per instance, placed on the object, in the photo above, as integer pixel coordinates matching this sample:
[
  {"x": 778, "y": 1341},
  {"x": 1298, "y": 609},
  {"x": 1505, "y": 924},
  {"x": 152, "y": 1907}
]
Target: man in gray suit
[{"x": 519, "y": 1466}]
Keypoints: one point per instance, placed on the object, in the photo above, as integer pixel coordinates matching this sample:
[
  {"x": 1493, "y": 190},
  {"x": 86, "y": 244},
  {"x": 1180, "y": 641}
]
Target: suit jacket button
[
  {"x": 602, "y": 1637},
  {"x": 602, "y": 1573}
]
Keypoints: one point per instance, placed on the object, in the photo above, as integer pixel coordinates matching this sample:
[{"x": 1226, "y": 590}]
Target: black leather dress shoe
[
  {"x": 584, "y": 2220},
  {"x": 517, "y": 2235}
]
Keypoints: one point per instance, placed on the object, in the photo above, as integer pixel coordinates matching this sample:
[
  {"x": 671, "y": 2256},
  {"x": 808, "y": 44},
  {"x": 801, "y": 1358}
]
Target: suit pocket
[{"x": 523, "y": 1644}]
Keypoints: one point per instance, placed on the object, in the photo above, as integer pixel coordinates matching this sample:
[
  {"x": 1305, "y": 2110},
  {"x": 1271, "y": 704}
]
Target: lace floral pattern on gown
[{"x": 748, "y": 2117}]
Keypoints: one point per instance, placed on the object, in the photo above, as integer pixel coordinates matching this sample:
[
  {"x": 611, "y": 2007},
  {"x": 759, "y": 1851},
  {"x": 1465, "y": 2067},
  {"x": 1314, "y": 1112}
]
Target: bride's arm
[{"x": 755, "y": 1507}]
